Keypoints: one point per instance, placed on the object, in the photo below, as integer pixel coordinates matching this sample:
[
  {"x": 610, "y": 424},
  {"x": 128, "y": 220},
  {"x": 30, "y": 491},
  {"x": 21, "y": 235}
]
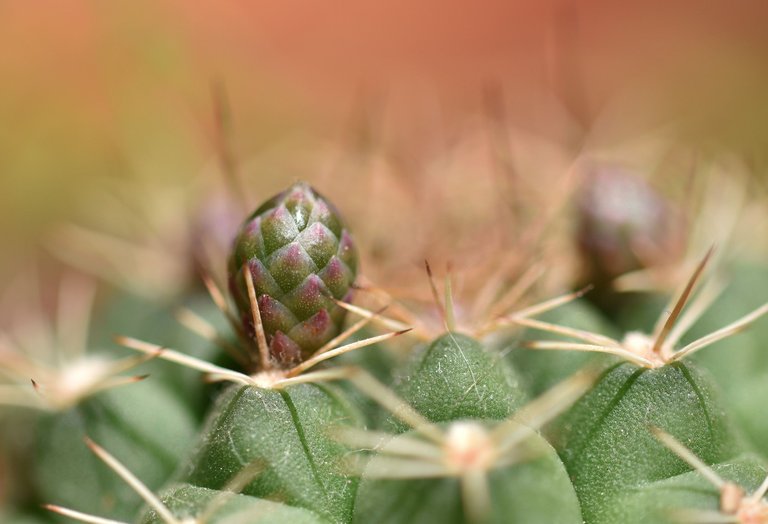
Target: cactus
[
  {"x": 302, "y": 405},
  {"x": 654, "y": 387},
  {"x": 455, "y": 378}
]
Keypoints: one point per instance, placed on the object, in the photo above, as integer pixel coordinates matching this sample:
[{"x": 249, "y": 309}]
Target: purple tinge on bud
[
  {"x": 301, "y": 257},
  {"x": 624, "y": 224}
]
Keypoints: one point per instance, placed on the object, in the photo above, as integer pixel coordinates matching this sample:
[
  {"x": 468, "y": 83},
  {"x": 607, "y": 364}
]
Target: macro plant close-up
[{"x": 383, "y": 263}]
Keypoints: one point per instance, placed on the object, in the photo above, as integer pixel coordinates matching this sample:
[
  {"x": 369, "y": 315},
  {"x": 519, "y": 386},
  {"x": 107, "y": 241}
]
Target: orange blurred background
[{"x": 100, "y": 91}]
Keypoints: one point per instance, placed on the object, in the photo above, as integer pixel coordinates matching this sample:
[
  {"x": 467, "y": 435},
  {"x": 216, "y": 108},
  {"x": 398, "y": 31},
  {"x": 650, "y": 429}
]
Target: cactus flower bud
[
  {"x": 624, "y": 225},
  {"x": 301, "y": 257}
]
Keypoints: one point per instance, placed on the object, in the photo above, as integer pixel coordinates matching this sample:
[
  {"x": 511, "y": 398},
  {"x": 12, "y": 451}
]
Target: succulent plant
[
  {"x": 471, "y": 417},
  {"x": 482, "y": 385},
  {"x": 292, "y": 444},
  {"x": 602, "y": 438},
  {"x": 465, "y": 469}
]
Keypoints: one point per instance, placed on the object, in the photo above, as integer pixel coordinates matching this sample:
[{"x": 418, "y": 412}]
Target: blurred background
[{"x": 116, "y": 97}]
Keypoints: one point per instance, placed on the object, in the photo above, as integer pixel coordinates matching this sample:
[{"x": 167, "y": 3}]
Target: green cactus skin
[
  {"x": 639, "y": 311},
  {"x": 604, "y": 438},
  {"x": 534, "y": 492},
  {"x": 131, "y": 314},
  {"x": 545, "y": 369},
  {"x": 741, "y": 369},
  {"x": 380, "y": 363},
  {"x": 747, "y": 407},
  {"x": 456, "y": 377},
  {"x": 288, "y": 431},
  {"x": 22, "y": 518},
  {"x": 301, "y": 257},
  {"x": 143, "y": 425},
  {"x": 657, "y": 501},
  {"x": 191, "y": 501}
]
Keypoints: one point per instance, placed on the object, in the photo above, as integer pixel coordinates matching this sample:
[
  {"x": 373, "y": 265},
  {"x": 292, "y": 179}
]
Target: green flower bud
[{"x": 301, "y": 257}]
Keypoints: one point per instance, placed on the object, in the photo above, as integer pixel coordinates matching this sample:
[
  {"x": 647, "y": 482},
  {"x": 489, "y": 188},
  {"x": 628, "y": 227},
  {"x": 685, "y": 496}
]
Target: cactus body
[
  {"x": 545, "y": 369},
  {"x": 535, "y": 492},
  {"x": 23, "y": 519},
  {"x": 186, "y": 501},
  {"x": 455, "y": 377},
  {"x": 301, "y": 257},
  {"x": 604, "y": 438},
  {"x": 740, "y": 369},
  {"x": 131, "y": 314},
  {"x": 287, "y": 432},
  {"x": 662, "y": 501},
  {"x": 69, "y": 474}
]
